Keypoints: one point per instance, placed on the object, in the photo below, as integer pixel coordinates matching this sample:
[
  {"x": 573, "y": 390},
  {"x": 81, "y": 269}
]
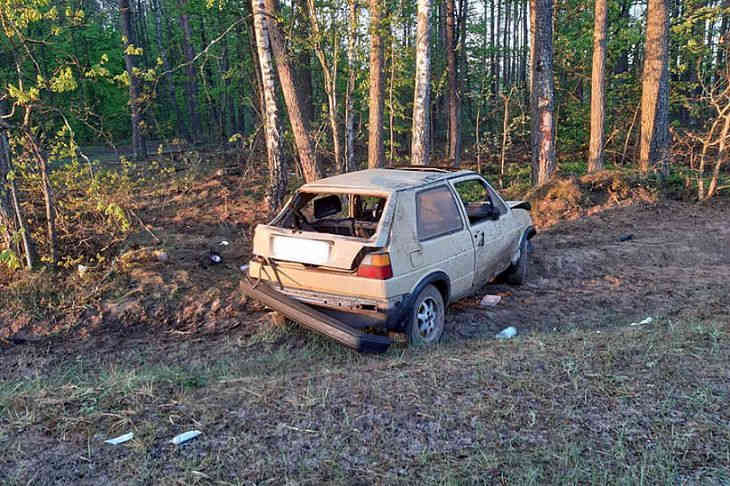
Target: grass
[{"x": 637, "y": 405}]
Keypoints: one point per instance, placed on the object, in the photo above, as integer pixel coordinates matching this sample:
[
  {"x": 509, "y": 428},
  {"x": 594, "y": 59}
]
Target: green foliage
[{"x": 10, "y": 259}]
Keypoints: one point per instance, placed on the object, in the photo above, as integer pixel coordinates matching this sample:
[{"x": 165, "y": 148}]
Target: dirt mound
[{"x": 574, "y": 197}]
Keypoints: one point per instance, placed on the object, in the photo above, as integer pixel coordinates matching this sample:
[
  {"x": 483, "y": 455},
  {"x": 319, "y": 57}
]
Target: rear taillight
[{"x": 375, "y": 265}]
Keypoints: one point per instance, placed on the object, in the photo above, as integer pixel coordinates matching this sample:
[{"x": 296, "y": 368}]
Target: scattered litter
[
  {"x": 120, "y": 440},
  {"x": 648, "y": 320},
  {"x": 82, "y": 270},
  {"x": 185, "y": 436},
  {"x": 490, "y": 300},
  {"x": 507, "y": 333},
  {"x": 224, "y": 243},
  {"x": 215, "y": 257},
  {"x": 626, "y": 237},
  {"x": 244, "y": 268}
]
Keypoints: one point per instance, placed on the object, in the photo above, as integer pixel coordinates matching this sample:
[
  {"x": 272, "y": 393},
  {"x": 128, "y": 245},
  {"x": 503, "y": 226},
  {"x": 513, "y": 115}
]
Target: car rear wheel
[
  {"x": 516, "y": 274},
  {"x": 426, "y": 324}
]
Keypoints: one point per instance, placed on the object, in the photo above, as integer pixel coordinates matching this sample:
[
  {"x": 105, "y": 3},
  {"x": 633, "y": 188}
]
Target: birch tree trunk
[
  {"x": 598, "y": 87},
  {"x": 139, "y": 146},
  {"x": 420, "y": 133},
  {"x": 307, "y": 157},
  {"x": 376, "y": 148},
  {"x": 191, "y": 83},
  {"x": 542, "y": 91},
  {"x": 654, "y": 143},
  {"x": 454, "y": 98},
  {"x": 349, "y": 161},
  {"x": 277, "y": 173},
  {"x": 329, "y": 73}
]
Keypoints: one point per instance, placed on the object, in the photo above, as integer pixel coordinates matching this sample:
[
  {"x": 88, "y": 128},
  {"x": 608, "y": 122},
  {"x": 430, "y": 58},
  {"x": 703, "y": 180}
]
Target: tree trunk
[
  {"x": 7, "y": 213},
  {"x": 6, "y": 166},
  {"x": 48, "y": 196},
  {"x": 330, "y": 84},
  {"x": 493, "y": 65},
  {"x": 349, "y": 161},
  {"x": 191, "y": 83},
  {"x": 505, "y": 45},
  {"x": 722, "y": 157},
  {"x": 304, "y": 63},
  {"x": 161, "y": 47},
  {"x": 277, "y": 172},
  {"x": 598, "y": 87},
  {"x": 495, "y": 46},
  {"x": 214, "y": 116},
  {"x": 420, "y": 142},
  {"x": 542, "y": 91},
  {"x": 655, "y": 89},
  {"x": 139, "y": 146},
  {"x": 454, "y": 101},
  {"x": 376, "y": 149},
  {"x": 251, "y": 37},
  {"x": 523, "y": 60},
  {"x": 724, "y": 44},
  {"x": 307, "y": 157}
]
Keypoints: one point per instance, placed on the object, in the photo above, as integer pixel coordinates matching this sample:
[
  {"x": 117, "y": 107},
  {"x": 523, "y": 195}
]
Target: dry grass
[{"x": 633, "y": 405}]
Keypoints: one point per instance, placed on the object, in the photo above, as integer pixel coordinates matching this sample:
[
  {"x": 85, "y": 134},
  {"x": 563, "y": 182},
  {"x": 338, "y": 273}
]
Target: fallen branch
[{"x": 145, "y": 226}]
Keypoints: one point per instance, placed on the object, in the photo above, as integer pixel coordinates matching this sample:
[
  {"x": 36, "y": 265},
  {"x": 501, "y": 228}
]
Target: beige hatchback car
[{"x": 390, "y": 248}]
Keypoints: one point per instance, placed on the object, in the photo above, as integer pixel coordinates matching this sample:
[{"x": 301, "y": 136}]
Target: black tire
[
  {"x": 426, "y": 321},
  {"x": 516, "y": 274}
]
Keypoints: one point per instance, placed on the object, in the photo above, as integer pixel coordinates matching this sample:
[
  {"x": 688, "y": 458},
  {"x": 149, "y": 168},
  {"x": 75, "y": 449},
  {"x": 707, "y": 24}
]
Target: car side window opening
[
  {"x": 480, "y": 202},
  {"x": 437, "y": 213}
]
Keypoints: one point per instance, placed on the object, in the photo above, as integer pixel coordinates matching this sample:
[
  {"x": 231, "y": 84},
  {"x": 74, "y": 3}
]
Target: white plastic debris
[
  {"x": 120, "y": 440},
  {"x": 224, "y": 243},
  {"x": 215, "y": 257},
  {"x": 507, "y": 333},
  {"x": 244, "y": 268},
  {"x": 185, "y": 436},
  {"x": 82, "y": 269},
  {"x": 490, "y": 300},
  {"x": 648, "y": 320}
]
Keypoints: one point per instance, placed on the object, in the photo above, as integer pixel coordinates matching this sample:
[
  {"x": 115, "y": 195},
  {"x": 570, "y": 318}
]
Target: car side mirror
[
  {"x": 482, "y": 210},
  {"x": 493, "y": 213}
]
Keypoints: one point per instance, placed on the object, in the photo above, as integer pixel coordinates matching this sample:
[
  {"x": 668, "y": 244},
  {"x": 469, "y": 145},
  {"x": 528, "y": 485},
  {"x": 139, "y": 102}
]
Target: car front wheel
[
  {"x": 516, "y": 274},
  {"x": 426, "y": 324}
]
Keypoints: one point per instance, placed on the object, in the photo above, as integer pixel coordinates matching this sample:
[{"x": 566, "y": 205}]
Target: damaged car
[{"x": 391, "y": 248}]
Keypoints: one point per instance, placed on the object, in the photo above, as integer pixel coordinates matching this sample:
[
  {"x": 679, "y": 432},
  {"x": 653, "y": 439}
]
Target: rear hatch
[{"x": 326, "y": 230}]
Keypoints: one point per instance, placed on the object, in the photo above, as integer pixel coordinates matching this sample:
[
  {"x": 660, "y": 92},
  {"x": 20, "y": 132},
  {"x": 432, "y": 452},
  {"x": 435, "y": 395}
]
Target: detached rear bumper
[
  {"x": 316, "y": 321},
  {"x": 383, "y": 313}
]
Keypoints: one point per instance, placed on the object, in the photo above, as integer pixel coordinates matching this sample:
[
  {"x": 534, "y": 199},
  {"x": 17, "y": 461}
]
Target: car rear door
[{"x": 489, "y": 234}]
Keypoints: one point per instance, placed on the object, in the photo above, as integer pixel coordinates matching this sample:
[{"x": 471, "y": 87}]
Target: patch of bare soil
[{"x": 666, "y": 259}]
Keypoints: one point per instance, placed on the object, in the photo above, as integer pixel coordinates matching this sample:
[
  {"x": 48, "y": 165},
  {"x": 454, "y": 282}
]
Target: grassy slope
[{"x": 630, "y": 405}]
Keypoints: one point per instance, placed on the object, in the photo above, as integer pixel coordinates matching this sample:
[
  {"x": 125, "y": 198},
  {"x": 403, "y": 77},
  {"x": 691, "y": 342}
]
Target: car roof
[{"x": 384, "y": 180}]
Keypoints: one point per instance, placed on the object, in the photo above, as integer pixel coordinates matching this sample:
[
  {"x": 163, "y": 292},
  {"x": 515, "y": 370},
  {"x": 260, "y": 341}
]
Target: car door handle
[{"x": 479, "y": 238}]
